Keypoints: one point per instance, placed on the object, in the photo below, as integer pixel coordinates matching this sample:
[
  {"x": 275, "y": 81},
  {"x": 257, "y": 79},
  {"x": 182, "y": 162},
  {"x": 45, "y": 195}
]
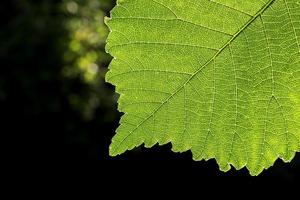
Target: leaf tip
[
  {"x": 112, "y": 151},
  {"x": 255, "y": 169},
  {"x": 225, "y": 168},
  {"x": 106, "y": 20},
  {"x": 255, "y": 172}
]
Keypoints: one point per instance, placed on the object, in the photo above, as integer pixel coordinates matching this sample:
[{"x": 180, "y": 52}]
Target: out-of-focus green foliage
[
  {"x": 87, "y": 34},
  {"x": 52, "y": 66},
  {"x": 85, "y": 56}
]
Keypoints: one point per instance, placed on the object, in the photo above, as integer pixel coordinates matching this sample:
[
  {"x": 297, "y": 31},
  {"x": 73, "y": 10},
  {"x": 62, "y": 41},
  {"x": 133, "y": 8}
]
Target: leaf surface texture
[{"x": 218, "y": 77}]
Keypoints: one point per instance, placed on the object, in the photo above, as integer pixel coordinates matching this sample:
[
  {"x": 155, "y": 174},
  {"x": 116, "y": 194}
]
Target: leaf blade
[{"x": 176, "y": 89}]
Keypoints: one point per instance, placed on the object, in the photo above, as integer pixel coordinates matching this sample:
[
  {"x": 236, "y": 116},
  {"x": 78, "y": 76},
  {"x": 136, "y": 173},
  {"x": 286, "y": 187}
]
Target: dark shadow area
[{"x": 57, "y": 110}]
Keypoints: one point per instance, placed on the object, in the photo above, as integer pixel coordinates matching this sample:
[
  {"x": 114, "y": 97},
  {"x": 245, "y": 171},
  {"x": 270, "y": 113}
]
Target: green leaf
[{"x": 218, "y": 77}]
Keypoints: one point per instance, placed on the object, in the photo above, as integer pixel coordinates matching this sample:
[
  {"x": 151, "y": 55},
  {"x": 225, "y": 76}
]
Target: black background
[{"x": 44, "y": 130}]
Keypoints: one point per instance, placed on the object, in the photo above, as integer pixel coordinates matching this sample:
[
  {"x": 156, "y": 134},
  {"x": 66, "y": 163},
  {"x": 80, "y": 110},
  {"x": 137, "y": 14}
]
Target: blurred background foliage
[
  {"x": 85, "y": 56},
  {"x": 52, "y": 84},
  {"x": 54, "y": 102}
]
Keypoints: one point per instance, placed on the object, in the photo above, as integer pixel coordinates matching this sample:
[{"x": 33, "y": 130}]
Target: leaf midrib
[{"x": 264, "y": 8}]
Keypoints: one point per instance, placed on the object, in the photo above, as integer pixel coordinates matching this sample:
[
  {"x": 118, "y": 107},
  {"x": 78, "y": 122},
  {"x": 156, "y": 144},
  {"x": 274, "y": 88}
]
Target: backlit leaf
[{"x": 218, "y": 77}]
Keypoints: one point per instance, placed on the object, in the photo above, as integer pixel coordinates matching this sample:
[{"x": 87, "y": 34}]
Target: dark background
[{"x": 57, "y": 111}]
